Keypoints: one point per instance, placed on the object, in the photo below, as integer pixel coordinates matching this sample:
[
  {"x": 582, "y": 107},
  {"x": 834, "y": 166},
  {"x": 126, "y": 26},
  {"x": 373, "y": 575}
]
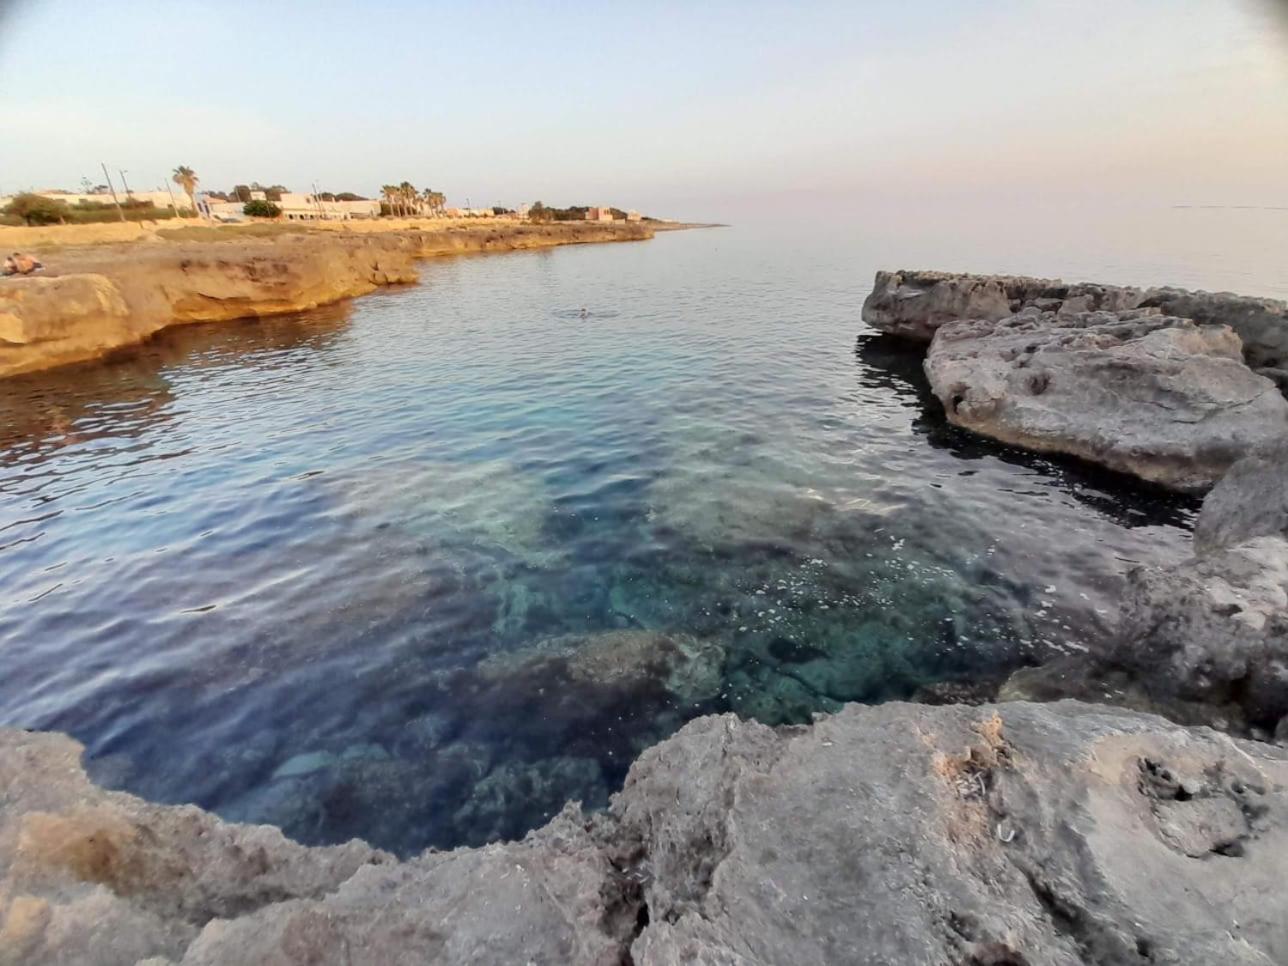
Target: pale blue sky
[{"x": 695, "y": 110}]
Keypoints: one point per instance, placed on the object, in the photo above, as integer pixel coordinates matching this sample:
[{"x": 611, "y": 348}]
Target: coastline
[{"x": 102, "y": 292}]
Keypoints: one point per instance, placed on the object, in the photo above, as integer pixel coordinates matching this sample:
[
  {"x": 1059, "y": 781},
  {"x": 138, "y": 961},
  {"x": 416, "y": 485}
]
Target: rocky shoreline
[
  {"x": 1139, "y": 816},
  {"x": 102, "y": 298}
]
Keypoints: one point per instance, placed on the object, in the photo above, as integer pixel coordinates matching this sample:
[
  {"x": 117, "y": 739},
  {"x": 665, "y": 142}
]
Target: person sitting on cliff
[{"x": 20, "y": 264}]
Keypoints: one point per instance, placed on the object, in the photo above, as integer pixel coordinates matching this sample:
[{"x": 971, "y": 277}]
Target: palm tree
[
  {"x": 187, "y": 179},
  {"x": 427, "y": 199},
  {"x": 436, "y": 201},
  {"x": 407, "y": 195},
  {"x": 390, "y": 193}
]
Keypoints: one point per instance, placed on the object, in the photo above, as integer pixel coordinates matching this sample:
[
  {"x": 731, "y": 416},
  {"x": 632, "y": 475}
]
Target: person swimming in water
[{"x": 583, "y": 311}]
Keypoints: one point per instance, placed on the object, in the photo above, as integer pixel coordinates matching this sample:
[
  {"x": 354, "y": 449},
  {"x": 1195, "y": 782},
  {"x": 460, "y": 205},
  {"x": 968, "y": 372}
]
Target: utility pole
[
  {"x": 116, "y": 201},
  {"x": 172, "y": 201},
  {"x": 124, "y": 182}
]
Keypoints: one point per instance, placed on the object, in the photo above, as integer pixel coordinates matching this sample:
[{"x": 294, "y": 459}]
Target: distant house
[
  {"x": 634, "y": 216},
  {"x": 599, "y": 214},
  {"x": 297, "y": 206}
]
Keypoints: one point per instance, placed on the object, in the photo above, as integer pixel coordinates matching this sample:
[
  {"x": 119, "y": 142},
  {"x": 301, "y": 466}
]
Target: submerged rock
[
  {"x": 1155, "y": 396},
  {"x": 1050, "y": 835},
  {"x": 687, "y": 667}
]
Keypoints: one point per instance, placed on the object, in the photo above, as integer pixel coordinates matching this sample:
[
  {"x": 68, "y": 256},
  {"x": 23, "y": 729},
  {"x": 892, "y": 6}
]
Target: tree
[
  {"x": 187, "y": 179},
  {"x": 261, "y": 209},
  {"x": 37, "y": 209},
  {"x": 390, "y": 193},
  {"x": 407, "y": 196},
  {"x": 538, "y": 213},
  {"x": 242, "y": 191}
]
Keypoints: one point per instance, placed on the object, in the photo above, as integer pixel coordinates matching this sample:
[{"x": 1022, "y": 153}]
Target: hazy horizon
[{"x": 704, "y": 114}]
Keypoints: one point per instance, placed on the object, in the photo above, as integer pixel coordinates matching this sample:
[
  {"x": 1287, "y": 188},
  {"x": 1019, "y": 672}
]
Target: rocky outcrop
[
  {"x": 1250, "y": 501},
  {"x": 1214, "y": 629},
  {"x": 105, "y": 298},
  {"x": 1159, "y": 397},
  {"x": 914, "y": 305},
  {"x": 1050, "y": 835},
  {"x": 1261, "y": 324}
]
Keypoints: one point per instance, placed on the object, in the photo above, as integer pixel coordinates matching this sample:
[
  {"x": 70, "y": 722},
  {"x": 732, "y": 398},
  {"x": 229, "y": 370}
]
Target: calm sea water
[{"x": 302, "y": 571}]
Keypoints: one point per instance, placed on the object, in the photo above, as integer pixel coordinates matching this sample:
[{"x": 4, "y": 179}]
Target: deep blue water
[{"x": 257, "y": 565}]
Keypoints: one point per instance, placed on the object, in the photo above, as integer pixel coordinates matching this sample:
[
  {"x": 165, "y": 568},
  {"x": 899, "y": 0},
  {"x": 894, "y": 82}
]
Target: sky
[{"x": 695, "y": 110}]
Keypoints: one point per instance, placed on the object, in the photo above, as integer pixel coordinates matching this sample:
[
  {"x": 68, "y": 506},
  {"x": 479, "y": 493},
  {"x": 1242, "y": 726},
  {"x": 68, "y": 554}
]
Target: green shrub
[
  {"x": 261, "y": 209},
  {"x": 36, "y": 209}
]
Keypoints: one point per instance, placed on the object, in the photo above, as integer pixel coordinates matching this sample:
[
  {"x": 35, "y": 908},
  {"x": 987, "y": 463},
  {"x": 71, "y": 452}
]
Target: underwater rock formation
[
  {"x": 1155, "y": 396},
  {"x": 1050, "y": 835},
  {"x": 687, "y": 667}
]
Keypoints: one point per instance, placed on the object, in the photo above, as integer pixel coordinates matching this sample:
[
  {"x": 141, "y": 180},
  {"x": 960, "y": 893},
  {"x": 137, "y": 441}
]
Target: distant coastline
[{"x": 112, "y": 286}]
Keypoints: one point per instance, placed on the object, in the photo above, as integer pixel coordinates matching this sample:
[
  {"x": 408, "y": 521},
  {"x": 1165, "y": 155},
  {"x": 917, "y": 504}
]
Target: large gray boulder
[
  {"x": 913, "y": 305},
  {"x": 1155, "y": 396},
  {"x": 1213, "y": 629},
  {"x": 1250, "y": 501},
  {"x": 1050, "y": 835}
]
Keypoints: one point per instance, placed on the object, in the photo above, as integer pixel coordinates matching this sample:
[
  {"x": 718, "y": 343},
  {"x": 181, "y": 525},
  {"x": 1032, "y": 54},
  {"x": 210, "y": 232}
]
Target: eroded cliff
[{"x": 99, "y": 299}]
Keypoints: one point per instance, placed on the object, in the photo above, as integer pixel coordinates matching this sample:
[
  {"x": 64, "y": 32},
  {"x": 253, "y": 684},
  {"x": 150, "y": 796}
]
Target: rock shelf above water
[
  {"x": 1168, "y": 385},
  {"x": 1058, "y": 834},
  {"x": 104, "y": 298}
]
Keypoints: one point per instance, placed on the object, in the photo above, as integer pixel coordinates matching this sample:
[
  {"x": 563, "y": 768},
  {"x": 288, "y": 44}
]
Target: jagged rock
[
  {"x": 1055, "y": 834},
  {"x": 1213, "y": 629},
  {"x": 915, "y": 304},
  {"x": 88, "y": 876},
  {"x": 1050, "y": 835},
  {"x": 1261, "y": 324},
  {"x": 1158, "y": 397},
  {"x": 1250, "y": 501}
]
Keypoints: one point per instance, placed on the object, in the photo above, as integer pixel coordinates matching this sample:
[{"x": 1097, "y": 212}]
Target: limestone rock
[
  {"x": 100, "y": 298},
  {"x": 915, "y": 304},
  {"x": 1213, "y": 629},
  {"x": 1250, "y": 501},
  {"x": 1261, "y": 324},
  {"x": 1159, "y": 397},
  {"x": 1050, "y": 835},
  {"x": 88, "y": 876},
  {"x": 1056, "y": 834}
]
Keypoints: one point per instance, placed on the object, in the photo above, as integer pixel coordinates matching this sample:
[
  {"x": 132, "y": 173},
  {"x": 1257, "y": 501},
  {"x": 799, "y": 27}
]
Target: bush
[
  {"x": 37, "y": 209},
  {"x": 261, "y": 209}
]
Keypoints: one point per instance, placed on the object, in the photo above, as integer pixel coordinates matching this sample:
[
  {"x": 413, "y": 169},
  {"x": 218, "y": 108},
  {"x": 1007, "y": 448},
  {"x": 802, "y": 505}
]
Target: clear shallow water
[{"x": 257, "y": 566}]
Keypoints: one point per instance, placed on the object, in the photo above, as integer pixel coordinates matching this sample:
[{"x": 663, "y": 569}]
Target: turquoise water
[{"x": 421, "y": 567}]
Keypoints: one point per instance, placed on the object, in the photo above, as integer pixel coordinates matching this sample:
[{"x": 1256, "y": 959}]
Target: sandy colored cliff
[{"x": 99, "y": 298}]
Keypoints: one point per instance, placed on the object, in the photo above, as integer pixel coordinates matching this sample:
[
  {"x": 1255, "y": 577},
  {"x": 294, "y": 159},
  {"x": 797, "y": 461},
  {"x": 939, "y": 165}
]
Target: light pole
[{"x": 121, "y": 171}]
